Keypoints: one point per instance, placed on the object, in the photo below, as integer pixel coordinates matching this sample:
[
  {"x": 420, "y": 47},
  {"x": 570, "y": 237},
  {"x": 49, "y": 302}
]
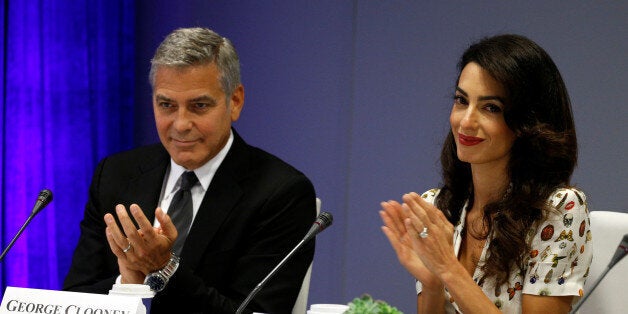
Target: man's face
[{"x": 192, "y": 115}]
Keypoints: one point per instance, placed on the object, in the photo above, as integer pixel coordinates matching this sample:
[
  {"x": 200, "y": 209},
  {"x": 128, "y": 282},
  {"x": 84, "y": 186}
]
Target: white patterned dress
[{"x": 559, "y": 260}]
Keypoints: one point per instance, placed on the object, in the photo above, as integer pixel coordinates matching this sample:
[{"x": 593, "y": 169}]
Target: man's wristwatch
[{"x": 157, "y": 280}]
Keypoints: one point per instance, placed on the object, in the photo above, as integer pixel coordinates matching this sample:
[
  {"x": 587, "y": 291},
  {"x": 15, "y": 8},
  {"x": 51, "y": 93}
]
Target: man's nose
[{"x": 182, "y": 120}]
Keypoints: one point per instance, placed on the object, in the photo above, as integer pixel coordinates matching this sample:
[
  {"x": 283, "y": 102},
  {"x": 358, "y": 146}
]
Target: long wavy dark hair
[{"x": 543, "y": 156}]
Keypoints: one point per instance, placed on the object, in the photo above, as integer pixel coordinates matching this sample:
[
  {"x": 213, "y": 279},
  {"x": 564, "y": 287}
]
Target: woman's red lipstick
[{"x": 469, "y": 140}]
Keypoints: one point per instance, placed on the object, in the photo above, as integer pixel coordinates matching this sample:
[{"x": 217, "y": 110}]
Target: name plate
[{"x": 24, "y": 300}]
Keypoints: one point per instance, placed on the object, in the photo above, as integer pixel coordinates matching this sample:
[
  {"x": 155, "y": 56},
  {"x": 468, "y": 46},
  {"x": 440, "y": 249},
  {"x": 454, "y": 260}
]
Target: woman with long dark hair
[{"x": 505, "y": 231}]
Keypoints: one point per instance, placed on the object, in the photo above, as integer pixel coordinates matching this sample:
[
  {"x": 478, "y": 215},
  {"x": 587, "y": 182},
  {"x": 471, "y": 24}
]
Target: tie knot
[{"x": 188, "y": 180}]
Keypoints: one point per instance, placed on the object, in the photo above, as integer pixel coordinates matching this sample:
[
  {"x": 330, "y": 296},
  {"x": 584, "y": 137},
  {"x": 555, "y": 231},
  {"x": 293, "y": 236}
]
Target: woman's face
[{"x": 477, "y": 119}]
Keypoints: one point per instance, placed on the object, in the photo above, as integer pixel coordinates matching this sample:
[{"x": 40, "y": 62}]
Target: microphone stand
[
  {"x": 323, "y": 221},
  {"x": 44, "y": 198},
  {"x": 4, "y": 253},
  {"x": 621, "y": 251},
  {"x": 597, "y": 282},
  {"x": 270, "y": 275}
]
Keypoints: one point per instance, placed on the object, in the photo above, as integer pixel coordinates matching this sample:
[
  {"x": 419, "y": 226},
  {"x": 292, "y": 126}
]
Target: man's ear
[{"x": 236, "y": 102}]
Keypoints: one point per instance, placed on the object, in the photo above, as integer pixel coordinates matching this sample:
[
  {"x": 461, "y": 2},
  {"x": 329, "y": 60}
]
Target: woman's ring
[
  {"x": 423, "y": 233},
  {"x": 128, "y": 248}
]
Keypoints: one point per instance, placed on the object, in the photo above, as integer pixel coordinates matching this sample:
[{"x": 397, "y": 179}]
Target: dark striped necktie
[{"x": 180, "y": 209}]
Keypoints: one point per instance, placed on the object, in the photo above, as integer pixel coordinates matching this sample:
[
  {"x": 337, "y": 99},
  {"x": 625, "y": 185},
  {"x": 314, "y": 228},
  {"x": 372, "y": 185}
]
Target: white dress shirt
[
  {"x": 205, "y": 174},
  {"x": 172, "y": 182}
]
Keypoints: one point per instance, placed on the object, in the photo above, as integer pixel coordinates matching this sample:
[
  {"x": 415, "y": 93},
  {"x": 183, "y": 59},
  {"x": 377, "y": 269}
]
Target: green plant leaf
[{"x": 367, "y": 305}]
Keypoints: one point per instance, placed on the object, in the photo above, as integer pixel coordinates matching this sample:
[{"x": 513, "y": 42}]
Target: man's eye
[
  {"x": 165, "y": 105},
  {"x": 201, "y": 105}
]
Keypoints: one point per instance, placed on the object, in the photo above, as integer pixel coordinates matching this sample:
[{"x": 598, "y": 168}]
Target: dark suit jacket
[{"x": 257, "y": 208}]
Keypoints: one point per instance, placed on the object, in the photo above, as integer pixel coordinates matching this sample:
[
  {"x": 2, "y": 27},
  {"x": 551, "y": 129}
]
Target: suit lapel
[{"x": 145, "y": 189}]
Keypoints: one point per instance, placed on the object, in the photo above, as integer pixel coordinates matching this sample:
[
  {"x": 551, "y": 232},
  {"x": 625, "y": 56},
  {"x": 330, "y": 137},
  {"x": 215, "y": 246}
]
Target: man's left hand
[{"x": 139, "y": 251}]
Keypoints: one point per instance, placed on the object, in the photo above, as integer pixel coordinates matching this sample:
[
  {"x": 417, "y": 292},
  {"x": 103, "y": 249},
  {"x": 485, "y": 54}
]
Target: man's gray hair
[{"x": 186, "y": 47}]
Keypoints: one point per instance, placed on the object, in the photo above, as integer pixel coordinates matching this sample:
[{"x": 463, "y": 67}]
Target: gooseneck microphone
[
  {"x": 323, "y": 221},
  {"x": 44, "y": 198},
  {"x": 621, "y": 251}
]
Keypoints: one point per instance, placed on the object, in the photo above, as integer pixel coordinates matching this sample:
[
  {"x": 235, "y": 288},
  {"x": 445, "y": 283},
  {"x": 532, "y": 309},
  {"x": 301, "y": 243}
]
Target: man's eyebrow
[
  {"x": 204, "y": 98},
  {"x": 163, "y": 98}
]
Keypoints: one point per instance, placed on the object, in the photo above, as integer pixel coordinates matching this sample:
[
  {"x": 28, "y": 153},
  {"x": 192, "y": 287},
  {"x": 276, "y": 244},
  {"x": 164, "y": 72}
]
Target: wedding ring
[
  {"x": 422, "y": 235},
  {"x": 128, "y": 248}
]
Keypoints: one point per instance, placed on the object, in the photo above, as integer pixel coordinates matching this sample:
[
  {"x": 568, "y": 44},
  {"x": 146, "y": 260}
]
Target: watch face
[{"x": 156, "y": 282}]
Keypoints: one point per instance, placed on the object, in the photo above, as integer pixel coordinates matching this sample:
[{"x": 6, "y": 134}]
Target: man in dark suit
[{"x": 248, "y": 207}]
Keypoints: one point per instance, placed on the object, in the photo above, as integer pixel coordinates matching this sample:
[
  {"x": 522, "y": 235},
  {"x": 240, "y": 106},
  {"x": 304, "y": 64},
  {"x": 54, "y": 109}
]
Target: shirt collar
[{"x": 205, "y": 173}]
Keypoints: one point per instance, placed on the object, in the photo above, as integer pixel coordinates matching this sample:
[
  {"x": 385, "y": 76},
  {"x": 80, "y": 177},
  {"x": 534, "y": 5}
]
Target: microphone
[
  {"x": 323, "y": 221},
  {"x": 44, "y": 198},
  {"x": 621, "y": 251}
]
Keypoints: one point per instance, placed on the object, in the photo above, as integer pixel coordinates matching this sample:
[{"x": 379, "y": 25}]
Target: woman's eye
[
  {"x": 459, "y": 100},
  {"x": 493, "y": 108}
]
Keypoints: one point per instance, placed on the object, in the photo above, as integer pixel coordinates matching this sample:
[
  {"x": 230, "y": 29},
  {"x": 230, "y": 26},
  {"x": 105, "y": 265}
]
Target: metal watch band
[{"x": 171, "y": 266}]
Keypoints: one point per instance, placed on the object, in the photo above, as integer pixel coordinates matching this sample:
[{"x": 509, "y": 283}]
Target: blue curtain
[{"x": 67, "y": 101}]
